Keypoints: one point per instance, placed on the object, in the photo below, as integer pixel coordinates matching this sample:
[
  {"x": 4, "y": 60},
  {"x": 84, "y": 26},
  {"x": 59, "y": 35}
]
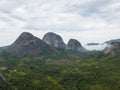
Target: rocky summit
[
  {"x": 74, "y": 45},
  {"x": 27, "y": 44},
  {"x": 54, "y": 40},
  {"x": 113, "y": 48}
]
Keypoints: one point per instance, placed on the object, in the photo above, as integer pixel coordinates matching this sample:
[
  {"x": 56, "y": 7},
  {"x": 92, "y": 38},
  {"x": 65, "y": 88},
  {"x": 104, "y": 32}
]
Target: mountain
[
  {"x": 113, "y": 48},
  {"x": 92, "y": 44},
  {"x": 54, "y": 40},
  {"x": 65, "y": 71},
  {"x": 27, "y": 44},
  {"x": 110, "y": 41},
  {"x": 74, "y": 45}
]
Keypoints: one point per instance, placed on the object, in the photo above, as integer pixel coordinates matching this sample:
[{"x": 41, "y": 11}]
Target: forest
[{"x": 60, "y": 72}]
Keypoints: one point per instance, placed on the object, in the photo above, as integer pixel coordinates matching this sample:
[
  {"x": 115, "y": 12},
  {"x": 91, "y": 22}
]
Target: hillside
[{"x": 61, "y": 72}]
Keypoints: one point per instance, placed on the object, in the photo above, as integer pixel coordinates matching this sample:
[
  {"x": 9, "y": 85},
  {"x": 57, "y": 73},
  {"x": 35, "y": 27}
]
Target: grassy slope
[{"x": 64, "y": 72}]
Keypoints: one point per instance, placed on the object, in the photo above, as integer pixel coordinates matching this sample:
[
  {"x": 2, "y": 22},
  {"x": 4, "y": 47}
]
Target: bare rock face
[
  {"x": 54, "y": 40},
  {"x": 74, "y": 45},
  {"x": 113, "y": 48},
  {"x": 27, "y": 44}
]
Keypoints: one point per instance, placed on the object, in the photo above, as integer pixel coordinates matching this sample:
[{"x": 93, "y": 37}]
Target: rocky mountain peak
[
  {"x": 27, "y": 44},
  {"x": 74, "y": 45},
  {"x": 26, "y": 39},
  {"x": 112, "y": 48},
  {"x": 54, "y": 40},
  {"x": 26, "y": 35}
]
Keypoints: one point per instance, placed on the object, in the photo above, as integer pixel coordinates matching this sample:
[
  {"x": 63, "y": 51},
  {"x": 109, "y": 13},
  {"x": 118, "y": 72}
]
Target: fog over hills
[
  {"x": 85, "y": 20},
  {"x": 58, "y": 41}
]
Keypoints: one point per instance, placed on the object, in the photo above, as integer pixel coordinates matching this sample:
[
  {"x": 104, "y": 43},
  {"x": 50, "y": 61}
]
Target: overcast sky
[{"x": 85, "y": 20}]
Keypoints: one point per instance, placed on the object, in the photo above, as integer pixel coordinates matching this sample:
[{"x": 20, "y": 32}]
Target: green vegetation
[{"x": 62, "y": 72}]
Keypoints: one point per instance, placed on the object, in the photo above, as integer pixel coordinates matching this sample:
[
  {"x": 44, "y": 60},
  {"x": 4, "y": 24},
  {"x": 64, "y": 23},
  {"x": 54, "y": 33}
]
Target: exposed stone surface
[
  {"x": 74, "y": 45},
  {"x": 113, "y": 48},
  {"x": 27, "y": 44},
  {"x": 54, "y": 40}
]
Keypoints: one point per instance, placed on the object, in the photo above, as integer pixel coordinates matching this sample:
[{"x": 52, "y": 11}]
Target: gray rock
[
  {"x": 75, "y": 45},
  {"x": 27, "y": 44},
  {"x": 113, "y": 48},
  {"x": 54, "y": 40}
]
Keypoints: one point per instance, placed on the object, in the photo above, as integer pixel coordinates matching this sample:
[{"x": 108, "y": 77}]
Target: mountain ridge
[{"x": 28, "y": 44}]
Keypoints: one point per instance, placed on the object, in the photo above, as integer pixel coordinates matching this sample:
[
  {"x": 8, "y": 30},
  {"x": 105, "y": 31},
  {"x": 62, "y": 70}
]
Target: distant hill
[
  {"x": 110, "y": 41},
  {"x": 113, "y": 48},
  {"x": 92, "y": 44},
  {"x": 62, "y": 72}
]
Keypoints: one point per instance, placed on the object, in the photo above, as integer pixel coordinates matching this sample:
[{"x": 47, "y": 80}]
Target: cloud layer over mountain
[{"x": 85, "y": 20}]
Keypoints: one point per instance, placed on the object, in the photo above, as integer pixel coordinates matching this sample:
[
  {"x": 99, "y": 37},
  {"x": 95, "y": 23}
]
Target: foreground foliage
[{"x": 63, "y": 72}]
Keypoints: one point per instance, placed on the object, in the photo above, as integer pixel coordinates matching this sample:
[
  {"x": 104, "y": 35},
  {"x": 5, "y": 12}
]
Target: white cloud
[{"x": 85, "y": 20}]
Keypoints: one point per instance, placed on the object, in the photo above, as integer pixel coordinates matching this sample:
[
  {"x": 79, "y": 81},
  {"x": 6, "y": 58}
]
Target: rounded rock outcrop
[
  {"x": 54, "y": 40},
  {"x": 74, "y": 45}
]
